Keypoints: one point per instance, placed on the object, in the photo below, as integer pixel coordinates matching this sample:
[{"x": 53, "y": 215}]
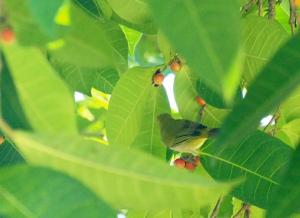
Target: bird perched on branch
[{"x": 184, "y": 135}]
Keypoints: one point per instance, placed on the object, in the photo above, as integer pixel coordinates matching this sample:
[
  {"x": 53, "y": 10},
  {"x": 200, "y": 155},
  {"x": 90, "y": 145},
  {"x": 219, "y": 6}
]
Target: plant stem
[
  {"x": 260, "y": 7},
  {"x": 274, "y": 118},
  {"x": 293, "y": 16},
  {"x": 216, "y": 209},
  {"x": 241, "y": 210},
  {"x": 272, "y": 11},
  {"x": 247, "y": 211},
  {"x": 246, "y": 7}
]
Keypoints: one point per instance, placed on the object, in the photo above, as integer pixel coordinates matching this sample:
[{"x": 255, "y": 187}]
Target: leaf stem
[
  {"x": 241, "y": 210},
  {"x": 216, "y": 209},
  {"x": 260, "y": 7},
  {"x": 274, "y": 118},
  {"x": 246, "y": 7}
]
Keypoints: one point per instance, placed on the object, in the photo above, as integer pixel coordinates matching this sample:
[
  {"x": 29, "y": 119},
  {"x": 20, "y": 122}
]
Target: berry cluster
[
  {"x": 187, "y": 162},
  {"x": 158, "y": 77}
]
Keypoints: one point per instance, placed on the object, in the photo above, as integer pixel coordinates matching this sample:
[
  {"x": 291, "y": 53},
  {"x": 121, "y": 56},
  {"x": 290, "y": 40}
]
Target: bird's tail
[{"x": 214, "y": 132}]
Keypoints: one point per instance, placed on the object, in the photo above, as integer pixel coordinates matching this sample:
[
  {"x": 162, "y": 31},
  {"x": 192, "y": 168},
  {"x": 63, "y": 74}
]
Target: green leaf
[
  {"x": 193, "y": 27},
  {"x": 102, "y": 43},
  {"x": 27, "y": 29},
  {"x": 135, "y": 12},
  {"x": 261, "y": 38},
  {"x": 277, "y": 79},
  {"x": 105, "y": 7},
  {"x": 185, "y": 93},
  {"x": 292, "y": 130},
  {"x": 9, "y": 154},
  {"x": 132, "y": 37},
  {"x": 290, "y": 109},
  {"x": 11, "y": 109},
  {"x": 285, "y": 201},
  {"x": 133, "y": 108},
  {"x": 47, "y": 103},
  {"x": 109, "y": 171},
  {"x": 60, "y": 195},
  {"x": 83, "y": 79},
  {"x": 90, "y": 7},
  {"x": 259, "y": 158},
  {"x": 44, "y": 13}
]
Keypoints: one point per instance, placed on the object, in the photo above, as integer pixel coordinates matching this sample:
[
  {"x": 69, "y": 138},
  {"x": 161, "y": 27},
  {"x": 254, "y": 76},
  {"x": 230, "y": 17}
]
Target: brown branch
[
  {"x": 293, "y": 16},
  {"x": 241, "y": 210},
  {"x": 272, "y": 11},
  {"x": 247, "y": 211},
  {"x": 260, "y": 7},
  {"x": 246, "y": 7},
  {"x": 216, "y": 209}
]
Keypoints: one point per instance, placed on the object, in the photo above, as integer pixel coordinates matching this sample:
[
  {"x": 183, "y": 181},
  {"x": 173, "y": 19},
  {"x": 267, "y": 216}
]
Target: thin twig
[
  {"x": 201, "y": 113},
  {"x": 274, "y": 117},
  {"x": 216, "y": 209},
  {"x": 260, "y": 7},
  {"x": 247, "y": 7},
  {"x": 293, "y": 16},
  {"x": 272, "y": 11},
  {"x": 247, "y": 211},
  {"x": 241, "y": 210}
]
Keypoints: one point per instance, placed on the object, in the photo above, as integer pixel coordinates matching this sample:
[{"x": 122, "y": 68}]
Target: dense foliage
[{"x": 83, "y": 81}]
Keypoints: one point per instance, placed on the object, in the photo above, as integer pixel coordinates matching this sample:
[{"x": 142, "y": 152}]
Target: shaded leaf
[
  {"x": 261, "y": 38},
  {"x": 65, "y": 197},
  {"x": 277, "y": 79},
  {"x": 185, "y": 93},
  {"x": 193, "y": 32},
  {"x": 259, "y": 158},
  {"x": 83, "y": 79},
  {"x": 115, "y": 170},
  {"x": 135, "y": 12},
  {"x": 292, "y": 131},
  {"x": 285, "y": 201},
  {"x": 46, "y": 101},
  {"x": 133, "y": 108},
  {"x": 105, "y": 47}
]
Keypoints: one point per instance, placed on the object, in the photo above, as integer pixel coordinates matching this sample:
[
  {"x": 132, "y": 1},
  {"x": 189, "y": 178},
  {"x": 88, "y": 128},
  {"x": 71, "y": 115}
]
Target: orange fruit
[
  {"x": 175, "y": 66},
  {"x": 180, "y": 163},
  {"x": 197, "y": 161},
  {"x": 158, "y": 78},
  {"x": 7, "y": 35},
  {"x": 200, "y": 101}
]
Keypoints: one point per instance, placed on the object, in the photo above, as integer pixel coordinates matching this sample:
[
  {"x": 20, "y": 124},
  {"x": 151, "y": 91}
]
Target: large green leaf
[
  {"x": 11, "y": 109},
  {"x": 133, "y": 108},
  {"x": 261, "y": 38},
  {"x": 44, "y": 13},
  {"x": 193, "y": 27},
  {"x": 47, "y": 194},
  {"x": 259, "y": 158},
  {"x": 27, "y": 28},
  {"x": 47, "y": 103},
  {"x": 276, "y": 81},
  {"x": 9, "y": 154},
  {"x": 286, "y": 200},
  {"x": 101, "y": 44},
  {"x": 292, "y": 131},
  {"x": 185, "y": 93},
  {"x": 135, "y": 12},
  {"x": 124, "y": 178},
  {"x": 83, "y": 79}
]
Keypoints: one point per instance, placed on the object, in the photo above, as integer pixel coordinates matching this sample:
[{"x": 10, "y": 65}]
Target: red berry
[
  {"x": 158, "y": 78},
  {"x": 190, "y": 166},
  {"x": 175, "y": 66},
  {"x": 200, "y": 101},
  {"x": 180, "y": 163},
  {"x": 8, "y": 35}
]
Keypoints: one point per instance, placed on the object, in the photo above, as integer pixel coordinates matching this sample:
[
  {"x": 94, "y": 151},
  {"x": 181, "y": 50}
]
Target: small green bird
[{"x": 184, "y": 135}]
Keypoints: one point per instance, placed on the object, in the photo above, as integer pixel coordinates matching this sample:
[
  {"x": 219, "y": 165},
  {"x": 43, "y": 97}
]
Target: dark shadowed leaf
[{"x": 260, "y": 159}]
